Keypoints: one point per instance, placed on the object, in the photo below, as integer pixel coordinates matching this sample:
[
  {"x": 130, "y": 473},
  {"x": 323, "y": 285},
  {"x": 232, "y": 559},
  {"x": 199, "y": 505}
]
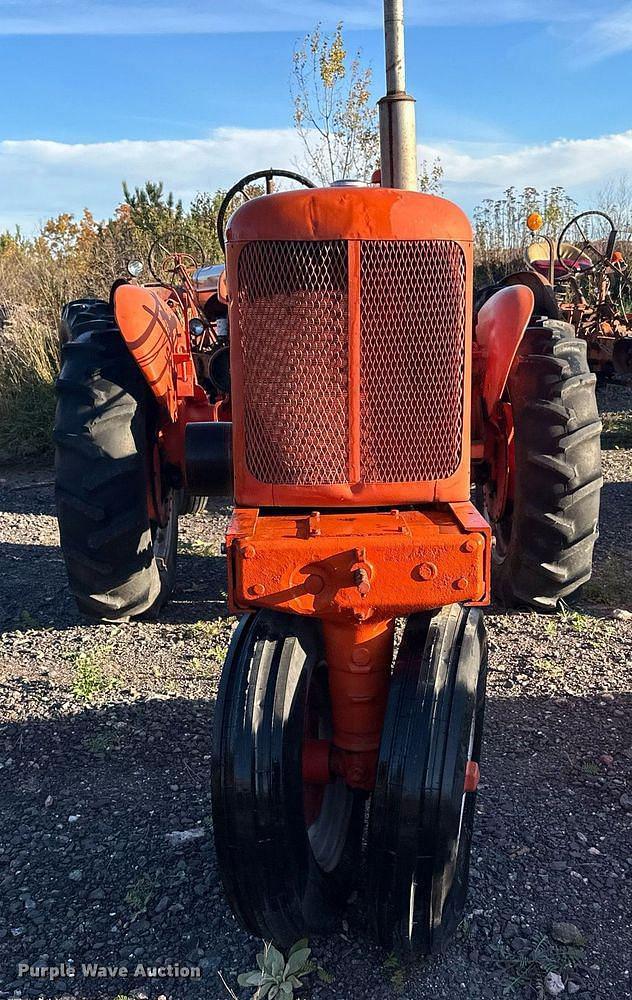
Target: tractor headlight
[
  {"x": 135, "y": 268},
  {"x": 196, "y": 327}
]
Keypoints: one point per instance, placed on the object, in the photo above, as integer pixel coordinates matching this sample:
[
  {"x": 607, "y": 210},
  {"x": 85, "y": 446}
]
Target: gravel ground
[{"x": 104, "y": 750}]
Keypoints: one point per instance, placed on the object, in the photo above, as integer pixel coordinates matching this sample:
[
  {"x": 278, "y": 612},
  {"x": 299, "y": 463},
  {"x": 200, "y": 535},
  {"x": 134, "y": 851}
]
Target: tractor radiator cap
[
  {"x": 208, "y": 458},
  {"x": 349, "y": 182}
]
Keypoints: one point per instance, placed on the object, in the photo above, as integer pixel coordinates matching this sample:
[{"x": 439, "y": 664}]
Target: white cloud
[
  {"x": 40, "y": 178},
  {"x": 607, "y": 35},
  {"x": 580, "y": 165},
  {"x": 214, "y": 16}
]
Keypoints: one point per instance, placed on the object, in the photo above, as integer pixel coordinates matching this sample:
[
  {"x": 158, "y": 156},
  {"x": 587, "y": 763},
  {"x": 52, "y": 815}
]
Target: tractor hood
[{"x": 349, "y": 213}]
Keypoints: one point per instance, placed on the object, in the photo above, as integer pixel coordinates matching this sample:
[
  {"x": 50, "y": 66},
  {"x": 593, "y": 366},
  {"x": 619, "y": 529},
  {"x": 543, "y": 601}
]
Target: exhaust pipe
[{"x": 398, "y": 144}]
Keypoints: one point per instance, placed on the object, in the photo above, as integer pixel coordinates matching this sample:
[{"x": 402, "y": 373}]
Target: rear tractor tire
[
  {"x": 120, "y": 564},
  {"x": 544, "y": 536}
]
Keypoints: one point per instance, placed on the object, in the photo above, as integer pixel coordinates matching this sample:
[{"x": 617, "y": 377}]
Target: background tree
[
  {"x": 430, "y": 176},
  {"x": 151, "y": 210},
  {"x": 500, "y": 230},
  {"x": 615, "y": 199},
  {"x": 334, "y": 113}
]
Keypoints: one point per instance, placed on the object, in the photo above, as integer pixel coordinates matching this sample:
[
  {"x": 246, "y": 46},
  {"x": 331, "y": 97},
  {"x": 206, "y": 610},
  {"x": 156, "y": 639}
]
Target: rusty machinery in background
[
  {"x": 589, "y": 266},
  {"x": 366, "y": 399}
]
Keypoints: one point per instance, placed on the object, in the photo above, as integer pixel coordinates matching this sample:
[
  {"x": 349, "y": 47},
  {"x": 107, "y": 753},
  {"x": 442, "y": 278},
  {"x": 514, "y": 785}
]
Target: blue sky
[{"x": 195, "y": 92}]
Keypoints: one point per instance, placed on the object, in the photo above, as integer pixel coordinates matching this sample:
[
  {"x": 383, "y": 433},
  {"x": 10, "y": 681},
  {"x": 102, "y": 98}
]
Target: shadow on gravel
[
  {"x": 34, "y": 590},
  {"x": 613, "y": 496},
  {"x": 88, "y": 873},
  {"x": 31, "y": 500}
]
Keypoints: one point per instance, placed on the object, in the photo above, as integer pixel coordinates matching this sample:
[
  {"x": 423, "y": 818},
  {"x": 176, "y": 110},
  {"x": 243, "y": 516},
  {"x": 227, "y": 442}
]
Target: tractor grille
[
  {"x": 294, "y": 334},
  {"x": 294, "y": 341},
  {"x": 412, "y": 360}
]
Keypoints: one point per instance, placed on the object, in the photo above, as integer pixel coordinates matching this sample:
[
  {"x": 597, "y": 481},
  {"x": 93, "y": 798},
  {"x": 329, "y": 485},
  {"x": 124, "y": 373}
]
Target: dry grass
[
  {"x": 34, "y": 285},
  {"x": 28, "y": 368},
  {"x": 69, "y": 259}
]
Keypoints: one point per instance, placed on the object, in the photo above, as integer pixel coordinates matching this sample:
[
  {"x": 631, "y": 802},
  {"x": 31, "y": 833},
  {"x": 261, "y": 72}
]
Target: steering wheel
[
  {"x": 172, "y": 251},
  {"x": 239, "y": 188},
  {"x": 586, "y": 248}
]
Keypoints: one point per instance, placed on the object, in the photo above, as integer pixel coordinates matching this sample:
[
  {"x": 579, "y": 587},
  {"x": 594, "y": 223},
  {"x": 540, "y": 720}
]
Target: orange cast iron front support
[
  {"x": 359, "y": 664},
  {"x": 357, "y": 571}
]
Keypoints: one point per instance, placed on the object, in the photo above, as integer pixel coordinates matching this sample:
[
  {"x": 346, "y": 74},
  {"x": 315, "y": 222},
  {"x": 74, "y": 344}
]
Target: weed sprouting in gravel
[
  {"x": 102, "y": 742},
  {"x": 551, "y": 667},
  {"x": 591, "y": 769},
  {"x": 275, "y": 977},
  {"x": 594, "y": 630},
  {"x": 212, "y": 638},
  {"x": 28, "y": 620},
  {"x": 532, "y": 968},
  {"x": 395, "y": 972},
  {"x": 579, "y": 622},
  {"x": 140, "y": 892},
  {"x": 91, "y": 678},
  {"x": 196, "y": 547},
  {"x": 325, "y": 976}
]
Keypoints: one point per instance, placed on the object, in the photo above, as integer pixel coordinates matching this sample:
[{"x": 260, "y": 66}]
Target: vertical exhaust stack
[{"x": 398, "y": 145}]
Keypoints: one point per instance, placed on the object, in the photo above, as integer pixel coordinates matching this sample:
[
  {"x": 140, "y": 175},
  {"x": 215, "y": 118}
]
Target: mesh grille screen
[
  {"x": 412, "y": 360},
  {"x": 292, "y": 305}
]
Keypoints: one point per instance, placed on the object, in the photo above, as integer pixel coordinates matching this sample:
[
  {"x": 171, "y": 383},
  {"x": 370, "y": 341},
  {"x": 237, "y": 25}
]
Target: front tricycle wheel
[
  {"x": 422, "y": 810},
  {"x": 287, "y": 851}
]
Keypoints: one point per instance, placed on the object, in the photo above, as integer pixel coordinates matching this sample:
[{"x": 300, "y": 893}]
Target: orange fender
[
  {"x": 500, "y": 327},
  {"x": 152, "y": 332}
]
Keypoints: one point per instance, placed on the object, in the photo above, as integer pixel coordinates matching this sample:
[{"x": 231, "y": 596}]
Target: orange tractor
[
  {"x": 366, "y": 401},
  {"x": 139, "y": 373}
]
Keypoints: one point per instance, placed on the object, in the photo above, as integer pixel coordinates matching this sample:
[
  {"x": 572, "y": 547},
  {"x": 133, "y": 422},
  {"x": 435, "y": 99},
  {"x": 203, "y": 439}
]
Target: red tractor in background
[
  {"x": 367, "y": 398},
  {"x": 588, "y": 267}
]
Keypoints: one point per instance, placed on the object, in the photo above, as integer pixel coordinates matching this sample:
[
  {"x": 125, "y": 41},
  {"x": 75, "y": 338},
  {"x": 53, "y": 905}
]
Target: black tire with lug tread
[
  {"x": 543, "y": 548},
  {"x": 119, "y": 564},
  {"x": 82, "y": 316},
  {"x": 421, "y": 819},
  {"x": 190, "y": 503},
  {"x": 283, "y": 878}
]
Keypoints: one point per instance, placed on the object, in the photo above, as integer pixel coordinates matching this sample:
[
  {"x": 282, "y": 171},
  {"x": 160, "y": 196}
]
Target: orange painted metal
[
  {"x": 500, "y": 456},
  {"x": 359, "y": 660},
  {"x": 369, "y": 213},
  {"x": 157, "y": 337},
  {"x": 153, "y": 323},
  {"x": 328, "y": 290},
  {"x": 356, "y": 218},
  {"x": 357, "y": 572},
  {"x": 472, "y": 776},
  {"x": 319, "y": 564},
  {"x": 500, "y": 327}
]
